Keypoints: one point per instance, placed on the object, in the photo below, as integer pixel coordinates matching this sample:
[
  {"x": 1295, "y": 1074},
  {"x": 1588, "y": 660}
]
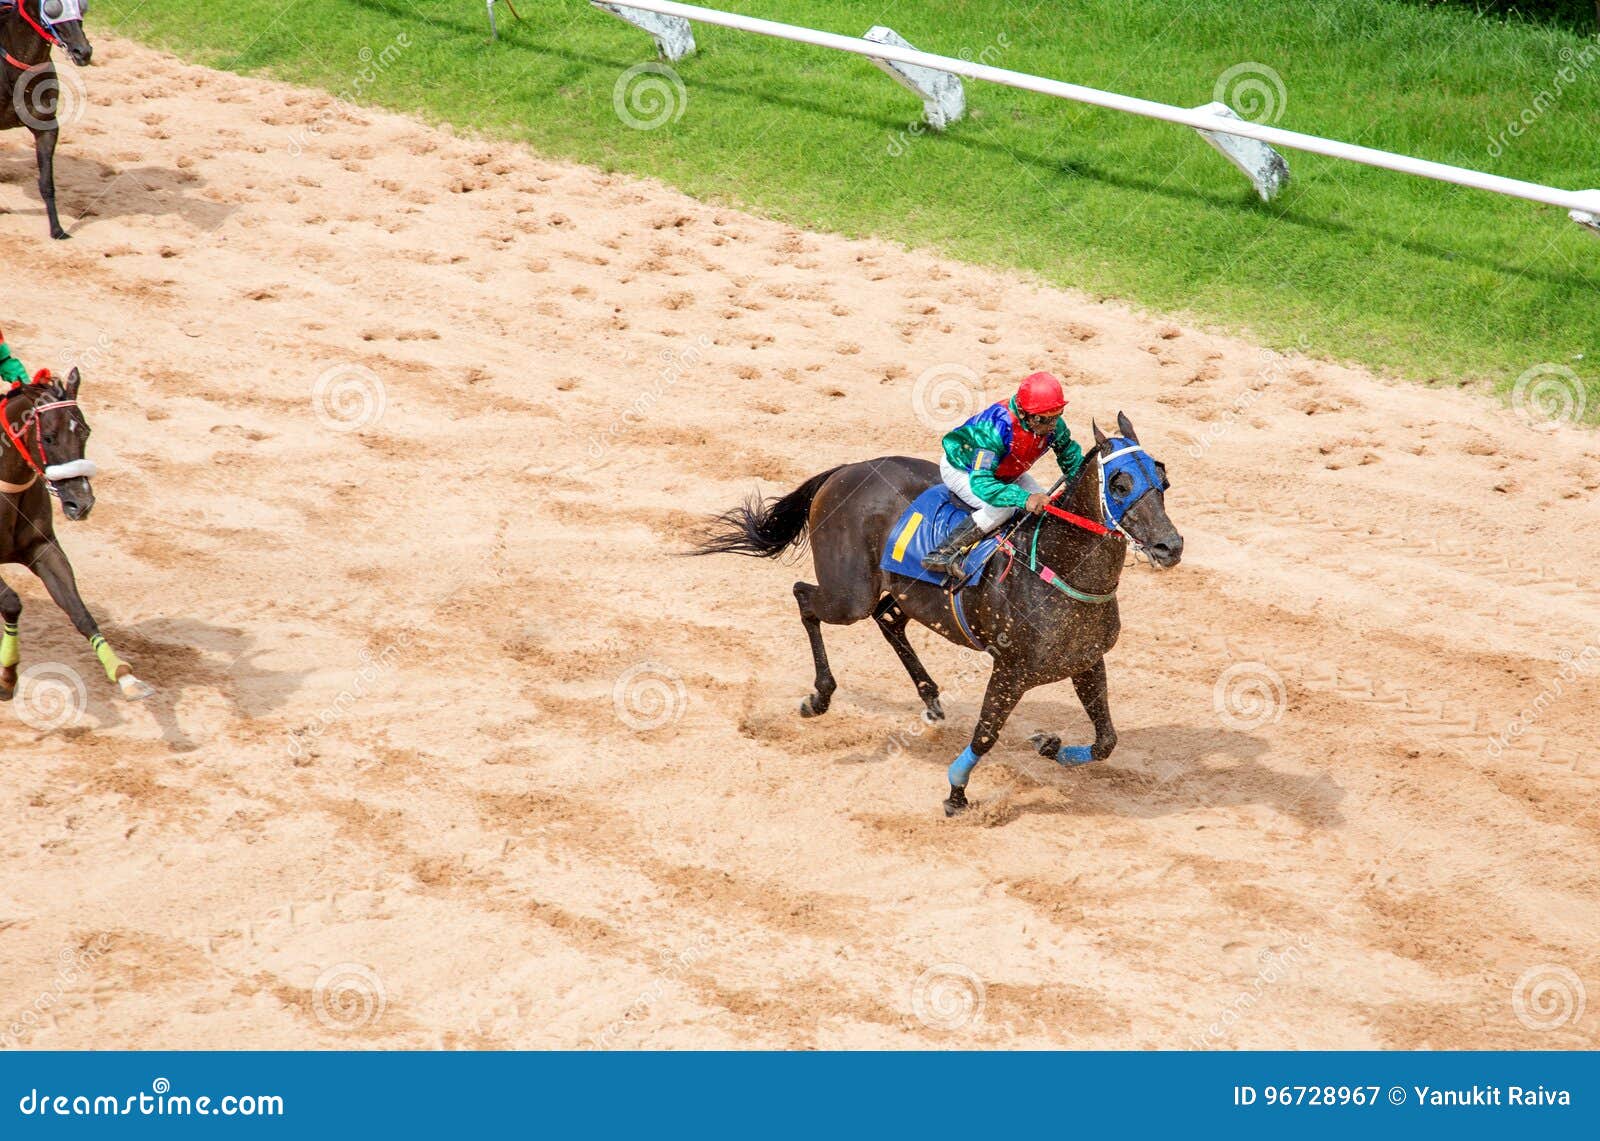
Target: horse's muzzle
[
  {"x": 77, "y": 498},
  {"x": 1167, "y": 553}
]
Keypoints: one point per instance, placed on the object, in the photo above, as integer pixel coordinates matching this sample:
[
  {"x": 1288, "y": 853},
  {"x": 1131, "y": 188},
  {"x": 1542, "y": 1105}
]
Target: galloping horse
[
  {"x": 28, "y": 84},
  {"x": 1052, "y": 617},
  {"x": 42, "y": 456}
]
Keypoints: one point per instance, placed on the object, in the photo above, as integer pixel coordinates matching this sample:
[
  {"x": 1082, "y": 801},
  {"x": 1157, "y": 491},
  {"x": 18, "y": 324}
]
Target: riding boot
[{"x": 947, "y": 557}]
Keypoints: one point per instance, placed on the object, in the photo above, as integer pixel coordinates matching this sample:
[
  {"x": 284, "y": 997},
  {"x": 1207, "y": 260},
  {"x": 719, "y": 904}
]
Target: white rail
[{"x": 1584, "y": 204}]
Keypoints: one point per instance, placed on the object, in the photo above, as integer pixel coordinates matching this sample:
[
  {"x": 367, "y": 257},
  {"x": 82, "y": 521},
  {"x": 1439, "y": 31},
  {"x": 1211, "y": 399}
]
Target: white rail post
[
  {"x": 944, "y": 100},
  {"x": 673, "y": 35},
  {"x": 1266, "y": 169}
]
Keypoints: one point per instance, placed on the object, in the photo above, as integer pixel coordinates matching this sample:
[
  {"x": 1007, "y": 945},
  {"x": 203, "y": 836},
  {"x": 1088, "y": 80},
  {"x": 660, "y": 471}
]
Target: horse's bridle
[
  {"x": 1111, "y": 515},
  {"x": 45, "y": 26},
  {"x": 17, "y": 434}
]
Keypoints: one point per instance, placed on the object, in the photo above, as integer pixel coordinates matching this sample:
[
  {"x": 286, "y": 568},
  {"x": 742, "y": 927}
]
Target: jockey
[
  {"x": 11, "y": 370},
  {"x": 986, "y": 462}
]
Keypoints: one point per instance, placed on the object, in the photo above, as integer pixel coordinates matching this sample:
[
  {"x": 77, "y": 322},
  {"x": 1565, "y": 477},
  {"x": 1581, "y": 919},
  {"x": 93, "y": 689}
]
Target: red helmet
[{"x": 1040, "y": 394}]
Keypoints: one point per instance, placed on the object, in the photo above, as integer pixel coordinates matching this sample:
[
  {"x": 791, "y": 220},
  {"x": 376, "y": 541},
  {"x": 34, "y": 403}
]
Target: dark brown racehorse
[
  {"x": 44, "y": 434},
  {"x": 1053, "y": 615},
  {"x": 29, "y": 84}
]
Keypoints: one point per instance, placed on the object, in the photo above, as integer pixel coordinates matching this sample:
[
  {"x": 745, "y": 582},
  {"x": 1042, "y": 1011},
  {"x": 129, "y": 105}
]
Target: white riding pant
[{"x": 986, "y": 516}]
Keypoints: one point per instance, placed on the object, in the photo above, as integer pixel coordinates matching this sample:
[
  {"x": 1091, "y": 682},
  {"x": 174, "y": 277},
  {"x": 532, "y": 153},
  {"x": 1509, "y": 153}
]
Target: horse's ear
[
  {"x": 1099, "y": 436},
  {"x": 1125, "y": 426},
  {"x": 71, "y": 386}
]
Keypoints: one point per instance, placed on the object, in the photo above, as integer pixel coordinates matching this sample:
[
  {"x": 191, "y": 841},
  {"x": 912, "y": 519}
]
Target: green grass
[{"x": 1431, "y": 281}]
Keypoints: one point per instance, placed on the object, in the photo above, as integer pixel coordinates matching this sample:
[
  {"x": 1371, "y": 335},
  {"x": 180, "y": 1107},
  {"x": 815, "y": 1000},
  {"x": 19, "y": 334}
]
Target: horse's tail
[{"x": 763, "y": 529}]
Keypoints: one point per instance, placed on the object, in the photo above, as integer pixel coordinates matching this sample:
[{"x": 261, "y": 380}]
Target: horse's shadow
[
  {"x": 1160, "y": 770},
  {"x": 88, "y": 190},
  {"x": 186, "y": 660}
]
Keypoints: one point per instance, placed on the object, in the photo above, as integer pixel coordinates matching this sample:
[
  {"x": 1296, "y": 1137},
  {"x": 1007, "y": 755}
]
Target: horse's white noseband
[{"x": 77, "y": 468}]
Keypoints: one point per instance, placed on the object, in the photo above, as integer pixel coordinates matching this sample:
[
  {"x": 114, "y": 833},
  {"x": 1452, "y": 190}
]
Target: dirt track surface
[{"x": 450, "y": 750}]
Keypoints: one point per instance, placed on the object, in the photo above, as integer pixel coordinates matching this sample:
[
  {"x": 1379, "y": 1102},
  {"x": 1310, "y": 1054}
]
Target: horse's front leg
[
  {"x": 50, "y": 563},
  {"x": 1091, "y": 687},
  {"x": 10, "y": 651},
  {"x": 44, "y": 145},
  {"x": 1004, "y": 691}
]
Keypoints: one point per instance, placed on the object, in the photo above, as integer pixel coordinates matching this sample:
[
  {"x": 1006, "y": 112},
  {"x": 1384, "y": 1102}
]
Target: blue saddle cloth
[{"x": 931, "y": 516}]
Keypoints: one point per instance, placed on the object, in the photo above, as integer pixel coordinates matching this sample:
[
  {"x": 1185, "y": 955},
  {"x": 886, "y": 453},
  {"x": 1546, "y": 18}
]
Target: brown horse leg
[
  {"x": 10, "y": 653},
  {"x": 816, "y": 703},
  {"x": 892, "y": 621},
  {"x": 1091, "y": 687},
  {"x": 998, "y": 701},
  {"x": 49, "y": 562},
  {"x": 44, "y": 146}
]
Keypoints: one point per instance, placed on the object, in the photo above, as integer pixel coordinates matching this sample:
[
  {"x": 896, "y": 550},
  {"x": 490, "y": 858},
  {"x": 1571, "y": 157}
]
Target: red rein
[{"x": 1079, "y": 520}]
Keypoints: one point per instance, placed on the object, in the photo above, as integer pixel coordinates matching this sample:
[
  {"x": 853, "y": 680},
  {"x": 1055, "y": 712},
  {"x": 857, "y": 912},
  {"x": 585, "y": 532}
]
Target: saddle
[{"x": 921, "y": 527}]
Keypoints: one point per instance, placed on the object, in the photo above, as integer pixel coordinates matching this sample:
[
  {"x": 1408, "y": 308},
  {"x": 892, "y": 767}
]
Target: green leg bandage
[
  {"x": 10, "y": 652},
  {"x": 108, "y": 657}
]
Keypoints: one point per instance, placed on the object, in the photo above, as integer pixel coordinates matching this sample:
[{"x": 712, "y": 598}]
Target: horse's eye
[{"x": 1121, "y": 484}]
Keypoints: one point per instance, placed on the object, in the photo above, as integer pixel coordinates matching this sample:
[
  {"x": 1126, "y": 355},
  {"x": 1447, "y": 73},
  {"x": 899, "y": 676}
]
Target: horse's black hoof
[
  {"x": 60, "y": 235},
  {"x": 808, "y": 707},
  {"x": 935, "y": 710},
  {"x": 956, "y": 802},
  {"x": 1048, "y": 744}
]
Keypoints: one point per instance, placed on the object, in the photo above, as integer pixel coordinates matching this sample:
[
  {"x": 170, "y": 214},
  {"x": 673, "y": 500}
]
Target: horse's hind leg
[
  {"x": 892, "y": 621},
  {"x": 10, "y": 653},
  {"x": 816, "y": 704},
  {"x": 51, "y": 565},
  {"x": 1091, "y": 687}
]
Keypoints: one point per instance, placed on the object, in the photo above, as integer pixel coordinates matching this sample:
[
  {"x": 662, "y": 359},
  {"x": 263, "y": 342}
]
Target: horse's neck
[
  {"x": 13, "y": 468},
  {"x": 1087, "y": 562},
  {"x": 19, "y": 40}
]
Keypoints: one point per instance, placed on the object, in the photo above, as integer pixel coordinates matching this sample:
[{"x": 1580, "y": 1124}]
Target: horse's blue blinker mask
[{"x": 1144, "y": 473}]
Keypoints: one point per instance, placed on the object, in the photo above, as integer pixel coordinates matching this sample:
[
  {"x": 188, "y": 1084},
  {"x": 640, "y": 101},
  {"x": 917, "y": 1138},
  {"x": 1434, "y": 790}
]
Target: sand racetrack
[{"x": 450, "y": 750}]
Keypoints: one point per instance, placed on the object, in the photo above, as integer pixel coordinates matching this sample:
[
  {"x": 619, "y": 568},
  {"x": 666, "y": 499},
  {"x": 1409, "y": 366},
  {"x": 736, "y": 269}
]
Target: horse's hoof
[
  {"x": 808, "y": 707},
  {"x": 935, "y": 710},
  {"x": 7, "y": 693},
  {"x": 956, "y": 802},
  {"x": 133, "y": 689},
  {"x": 1048, "y": 744},
  {"x": 60, "y": 235}
]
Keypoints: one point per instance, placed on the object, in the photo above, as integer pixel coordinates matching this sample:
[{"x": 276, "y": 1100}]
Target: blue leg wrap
[
  {"x": 1075, "y": 755},
  {"x": 962, "y": 767}
]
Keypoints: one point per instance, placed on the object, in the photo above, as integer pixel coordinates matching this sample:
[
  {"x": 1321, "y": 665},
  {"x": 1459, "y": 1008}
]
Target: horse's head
[
  {"x": 1133, "y": 486},
  {"x": 53, "y": 435},
  {"x": 61, "y": 22}
]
